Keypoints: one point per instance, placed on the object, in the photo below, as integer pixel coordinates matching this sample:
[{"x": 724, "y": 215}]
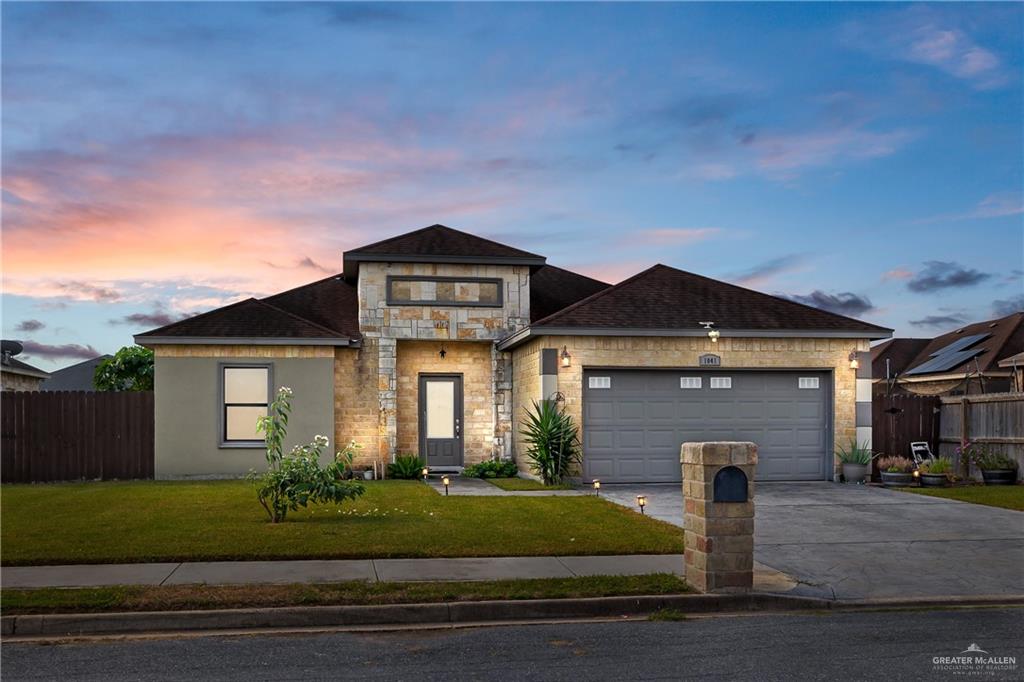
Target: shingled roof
[
  {"x": 438, "y": 244},
  {"x": 552, "y": 289},
  {"x": 277, "y": 317},
  {"x": 663, "y": 298},
  {"x": 1002, "y": 338}
]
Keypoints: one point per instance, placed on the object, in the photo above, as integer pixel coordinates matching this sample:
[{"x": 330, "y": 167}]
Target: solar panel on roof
[
  {"x": 960, "y": 344},
  {"x": 945, "y": 361}
]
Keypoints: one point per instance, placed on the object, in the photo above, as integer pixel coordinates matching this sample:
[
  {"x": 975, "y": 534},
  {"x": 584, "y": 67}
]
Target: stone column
[
  {"x": 719, "y": 535},
  {"x": 387, "y": 393}
]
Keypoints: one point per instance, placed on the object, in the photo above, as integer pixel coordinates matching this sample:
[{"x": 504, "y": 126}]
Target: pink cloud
[{"x": 671, "y": 236}]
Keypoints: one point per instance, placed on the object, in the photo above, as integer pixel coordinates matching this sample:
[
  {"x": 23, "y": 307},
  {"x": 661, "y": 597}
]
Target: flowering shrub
[{"x": 297, "y": 479}]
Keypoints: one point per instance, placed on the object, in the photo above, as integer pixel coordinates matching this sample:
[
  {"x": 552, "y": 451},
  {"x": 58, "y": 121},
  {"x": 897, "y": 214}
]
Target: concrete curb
[{"x": 446, "y": 613}]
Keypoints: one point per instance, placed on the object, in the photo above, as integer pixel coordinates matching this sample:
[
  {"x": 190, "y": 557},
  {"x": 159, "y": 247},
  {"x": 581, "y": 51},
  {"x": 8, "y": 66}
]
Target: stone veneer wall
[
  {"x": 474, "y": 362},
  {"x": 357, "y": 414},
  {"x": 385, "y": 325},
  {"x": 679, "y": 352}
]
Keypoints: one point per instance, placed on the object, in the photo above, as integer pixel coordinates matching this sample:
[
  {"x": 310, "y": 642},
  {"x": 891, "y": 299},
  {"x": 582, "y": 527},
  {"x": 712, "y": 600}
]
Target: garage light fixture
[
  {"x": 854, "y": 362},
  {"x": 566, "y": 358},
  {"x": 713, "y": 334}
]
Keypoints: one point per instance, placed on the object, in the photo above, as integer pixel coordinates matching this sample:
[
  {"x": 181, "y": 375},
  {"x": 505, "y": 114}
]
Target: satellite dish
[{"x": 10, "y": 348}]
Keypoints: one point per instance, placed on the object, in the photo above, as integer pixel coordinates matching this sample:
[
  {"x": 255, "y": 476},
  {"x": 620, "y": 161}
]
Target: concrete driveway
[{"x": 855, "y": 542}]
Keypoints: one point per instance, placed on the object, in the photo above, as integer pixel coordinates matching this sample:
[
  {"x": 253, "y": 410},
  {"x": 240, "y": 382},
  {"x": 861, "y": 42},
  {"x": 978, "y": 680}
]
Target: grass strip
[{"x": 193, "y": 597}]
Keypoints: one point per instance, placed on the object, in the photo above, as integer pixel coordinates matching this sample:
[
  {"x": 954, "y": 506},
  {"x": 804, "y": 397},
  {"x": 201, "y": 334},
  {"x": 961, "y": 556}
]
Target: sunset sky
[{"x": 164, "y": 159}]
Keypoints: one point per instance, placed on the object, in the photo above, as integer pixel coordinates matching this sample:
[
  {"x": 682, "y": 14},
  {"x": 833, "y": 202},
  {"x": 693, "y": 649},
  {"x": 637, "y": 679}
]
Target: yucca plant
[
  {"x": 855, "y": 453},
  {"x": 552, "y": 441}
]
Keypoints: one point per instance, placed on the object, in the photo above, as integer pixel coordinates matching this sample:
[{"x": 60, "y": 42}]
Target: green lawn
[
  {"x": 221, "y": 520},
  {"x": 189, "y": 597},
  {"x": 525, "y": 484},
  {"x": 1005, "y": 496}
]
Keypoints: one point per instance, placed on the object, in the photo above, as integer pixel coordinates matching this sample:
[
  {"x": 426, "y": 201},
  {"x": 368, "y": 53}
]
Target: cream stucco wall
[{"x": 683, "y": 352}]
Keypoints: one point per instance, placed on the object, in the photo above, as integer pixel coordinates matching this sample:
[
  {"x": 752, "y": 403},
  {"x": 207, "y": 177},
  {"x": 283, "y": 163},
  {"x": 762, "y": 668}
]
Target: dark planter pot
[
  {"x": 934, "y": 480},
  {"x": 897, "y": 479},
  {"x": 855, "y": 473},
  {"x": 999, "y": 476}
]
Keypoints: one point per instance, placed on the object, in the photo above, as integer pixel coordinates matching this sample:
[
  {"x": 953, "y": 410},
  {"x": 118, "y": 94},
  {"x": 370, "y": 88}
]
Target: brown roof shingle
[
  {"x": 552, "y": 289},
  {"x": 662, "y": 297}
]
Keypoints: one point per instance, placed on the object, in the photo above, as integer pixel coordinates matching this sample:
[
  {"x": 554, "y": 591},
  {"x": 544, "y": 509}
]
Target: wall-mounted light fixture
[
  {"x": 854, "y": 362},
  {"x": 641, "y": 501},
  {"x": 713, "y": 334},
  {"x": 442, "y": 352},
  {"x": 566, "y": 358}
]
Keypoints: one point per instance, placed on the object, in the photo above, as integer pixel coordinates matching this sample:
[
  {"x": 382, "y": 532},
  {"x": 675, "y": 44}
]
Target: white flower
[
  {"x": 284, "y": 390},
  {"x": 320, "y": 440}
]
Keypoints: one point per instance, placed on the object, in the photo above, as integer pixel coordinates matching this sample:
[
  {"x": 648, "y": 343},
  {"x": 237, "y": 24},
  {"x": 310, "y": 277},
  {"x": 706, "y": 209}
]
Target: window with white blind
[
  {"x": 807, "y": 382},
  {"x": 245, "y": 394},
  {"x": 721, "y": 382},
  {"x": 599, "y": 382},
  {"x": 689, "y": 382}
]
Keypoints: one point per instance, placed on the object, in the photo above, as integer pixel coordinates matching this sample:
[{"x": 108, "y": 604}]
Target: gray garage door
[{"x": 635, "y": 420}]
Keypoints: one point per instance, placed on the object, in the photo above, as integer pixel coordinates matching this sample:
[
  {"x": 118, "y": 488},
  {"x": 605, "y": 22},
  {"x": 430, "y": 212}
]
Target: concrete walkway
[
  {"x": 863, "y": 542},
  {"x": 476, "y": 487},
  {"x": 370, "y": 570}
]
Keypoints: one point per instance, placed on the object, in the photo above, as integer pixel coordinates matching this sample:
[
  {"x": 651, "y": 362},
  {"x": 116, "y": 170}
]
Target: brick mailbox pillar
[{"x": 718, "y": 506}]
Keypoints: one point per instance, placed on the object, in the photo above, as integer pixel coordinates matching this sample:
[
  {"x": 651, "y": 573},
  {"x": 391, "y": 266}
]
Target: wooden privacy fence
[
  {"x": 995, "y": 420},
  {"x": 72, "y": 435},
  {"x": 899, "y": 420}
]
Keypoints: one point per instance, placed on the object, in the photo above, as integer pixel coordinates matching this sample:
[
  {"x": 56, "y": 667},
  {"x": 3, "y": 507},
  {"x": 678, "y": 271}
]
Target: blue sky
[{"x": 163, "y": 159}]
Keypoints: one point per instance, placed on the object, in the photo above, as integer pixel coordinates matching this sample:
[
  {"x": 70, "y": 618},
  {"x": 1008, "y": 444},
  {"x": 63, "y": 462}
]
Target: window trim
[
  {"x": 222, "y": 406},
  {"x": 445, "y": 304}
]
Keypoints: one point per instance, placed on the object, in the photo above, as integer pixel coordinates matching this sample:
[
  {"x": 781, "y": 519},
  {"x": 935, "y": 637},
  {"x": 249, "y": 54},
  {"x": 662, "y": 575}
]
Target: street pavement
[
  {"x": 862, "y": 542},
  {"x": 836, "y": 646}
]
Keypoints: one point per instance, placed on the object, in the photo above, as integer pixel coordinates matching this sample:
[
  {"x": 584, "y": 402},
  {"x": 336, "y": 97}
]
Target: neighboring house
[
  {"x": 436, "y": 342},
  {"x": 77, "y": 377},
  {"x": 1015, "y": 363},
  {"x": 16, "y": 375},
  {"x": 965, "y": 361}
]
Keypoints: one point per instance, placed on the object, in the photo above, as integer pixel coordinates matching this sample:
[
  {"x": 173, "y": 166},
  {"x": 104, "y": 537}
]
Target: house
[
  {"x": 76, "y": 377},
  {"x": 437, "y": 341},
  {"x": 973, "y": 359},
  {"x": 16, "y": 375}
]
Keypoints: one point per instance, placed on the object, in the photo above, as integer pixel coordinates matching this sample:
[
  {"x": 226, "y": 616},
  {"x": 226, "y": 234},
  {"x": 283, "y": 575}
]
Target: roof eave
[
  {"x": 34, "y": 373},
  {"x": 521, "y": 336},
  {"x": 150, "y": 341}
]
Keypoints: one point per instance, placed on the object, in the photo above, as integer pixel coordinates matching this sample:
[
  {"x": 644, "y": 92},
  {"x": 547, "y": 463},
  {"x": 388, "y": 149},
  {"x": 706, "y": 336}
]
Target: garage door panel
[{"x": 632, "y": 430}]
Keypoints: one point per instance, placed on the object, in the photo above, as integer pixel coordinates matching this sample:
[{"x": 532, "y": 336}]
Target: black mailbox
[{"x": 730, "y": 485}]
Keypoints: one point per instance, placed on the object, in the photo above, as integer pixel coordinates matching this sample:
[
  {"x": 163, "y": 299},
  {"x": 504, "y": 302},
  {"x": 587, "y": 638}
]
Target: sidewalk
[
  {"x": 326, "y": 571},
  {"x": 476, "y": 487}
]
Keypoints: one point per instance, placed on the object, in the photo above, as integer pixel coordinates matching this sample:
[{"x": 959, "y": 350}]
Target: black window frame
[
  {"x": 222, "y": 427},
  {"x": 498, "y": 281}
]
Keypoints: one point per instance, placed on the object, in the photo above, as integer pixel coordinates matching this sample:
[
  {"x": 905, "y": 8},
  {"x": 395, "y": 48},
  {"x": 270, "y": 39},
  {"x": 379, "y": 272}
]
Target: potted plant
[
  {"x": 855, "y": 458},
  {"x": 935, "y": 473},
  {"x": 896, "y": 472},
  {"x": 995, "y": 469}
]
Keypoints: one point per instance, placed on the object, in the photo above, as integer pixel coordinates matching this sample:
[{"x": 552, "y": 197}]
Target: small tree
[
  {"x": 552, "y": 441},
  {"x": 297, "y": 479},
  {"x": 131, "y": 369}
]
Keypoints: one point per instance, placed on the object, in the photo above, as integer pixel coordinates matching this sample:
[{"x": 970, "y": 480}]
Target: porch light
[
  {"x": 713, "y": 334},
  {"x": 566, "y": 358},
  {"x": 641, "y": 501},
  {"x": 854, "y": 362},
  {"x": 445, "y": 480},
  {"x": 597, "y": 487}
]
